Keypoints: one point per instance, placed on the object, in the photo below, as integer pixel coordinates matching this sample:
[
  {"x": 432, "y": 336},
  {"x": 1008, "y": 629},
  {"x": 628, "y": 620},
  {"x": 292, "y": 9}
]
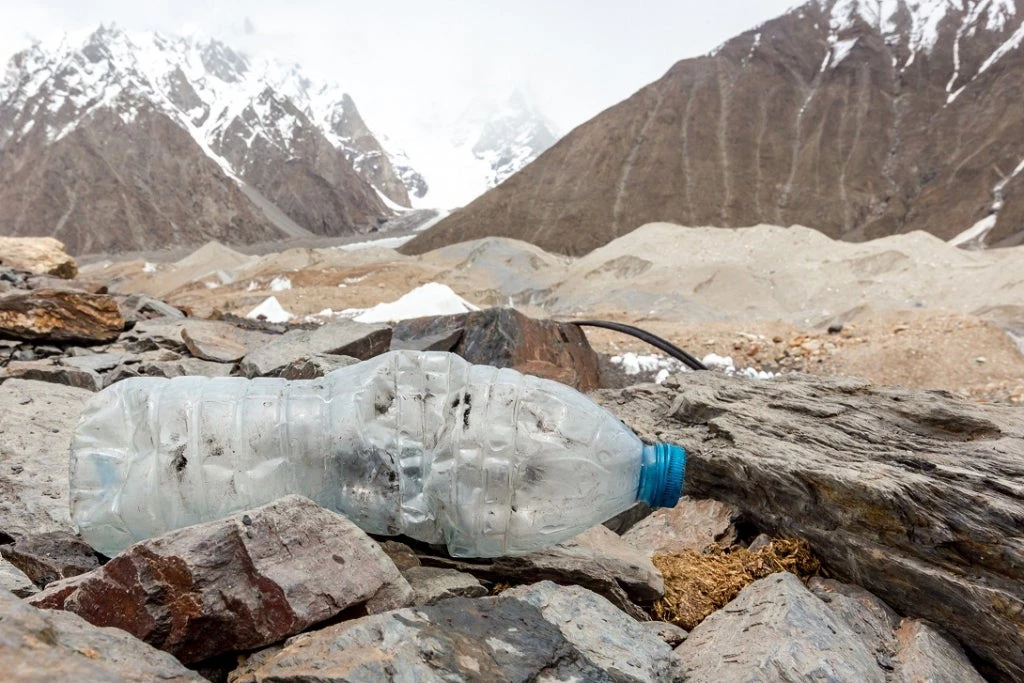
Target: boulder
[
  {"x": 776, "y": 626},
  {"x": 238, "y": 583},
  {"x": 916, "y": 496},
  {"x": 216, "y": 341},
  {"x": 528, "y": 636},
  {"x": 36, "y": 422},
  {"x": 40, "y": 645},
  {"x": 339, "y": 338},
  {"x": 50, "y": 556},
  {"x": 60, "y": 316},
  {"x": 49, "y": 371},
  {"x": 41, "y": 255},
  {"x": 505, "y": 338},
  {"x": 16, "y": 581},
  {"x": 316, "y": 365},
  {"x": 99, "y": 362},
  {"x": 690, "y": 525},
  {"x": 433, "y": 584},
  {"x": 596, "y": 559},
  {"x": 925, "y": 654}
]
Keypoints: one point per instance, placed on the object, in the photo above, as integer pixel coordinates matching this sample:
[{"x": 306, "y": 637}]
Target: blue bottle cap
[{"x": 661, "y": 477}]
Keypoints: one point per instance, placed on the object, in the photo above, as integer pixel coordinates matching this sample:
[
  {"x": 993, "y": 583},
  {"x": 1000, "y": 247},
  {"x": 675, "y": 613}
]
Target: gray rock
[
  {"x": 342, "y": 337},
  {"x": 121, "y": 372},
  {"x": 691, "y": 525},
  {"x": 52, "y": 373},
  {"x": 504, "y": 638},
  {"x": 40, "y": 645},
  {"x": 14, "y": 580},
  {"x": 135, "y": 307},
  {"x": 869, "y": 617},
  {"x": 775, "y": 630},
  {"x": 916, "y": 496},
  {"x": 99, "y": 362},
  {"x": 626, "y": 520},
  {"x": 50, "y": 556},
  {"x": 315, "y": 366},
  {"x": 36, "y": 422},
  {"x": 925, "y": 654},
  {"x": 238, "y": 583},
  {"x": 616, "y": 643},
  {"x": 671, "y": 634},
  {"x": 760, "y": 541},
  {"x": 433, "y": 584},
  {"x": 185, "y": 367},
  {"x": 596, "y": 559},
  {"x": 218, "y": 341}
]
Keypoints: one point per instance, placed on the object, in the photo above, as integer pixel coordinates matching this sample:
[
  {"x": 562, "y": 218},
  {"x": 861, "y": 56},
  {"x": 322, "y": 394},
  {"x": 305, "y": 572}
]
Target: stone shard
[
  {"x": 41, "y": 645},
  {"x": 50, "y": 556},
  {"x": 916, "y": 496},
  {"x": 238, "y": 583},
  {"x": 690, "y": 525},
  {"x": 532, "y": 635},
  {"x": 315, "y": 365},
  {"x": 776, "y": 625},
  {"x": 36, "y": 422},
  {"x": 14, "y": 580},
  {"x": 596, "y": 559},
  {"x": 339, "y": 338},
  {"x": 40, "y": 255},
  {"x": 433, "y": 584},
  {"x": 505, "y": 338},
  {"x": 48, "y": 371},
  {"x": 60, "y": 316},
  {"x": 136, "y": 307}
]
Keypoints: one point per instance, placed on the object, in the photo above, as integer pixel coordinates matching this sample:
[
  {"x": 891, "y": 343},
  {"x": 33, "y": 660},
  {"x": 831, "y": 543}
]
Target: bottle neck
[{"x": 661, "y": 475}]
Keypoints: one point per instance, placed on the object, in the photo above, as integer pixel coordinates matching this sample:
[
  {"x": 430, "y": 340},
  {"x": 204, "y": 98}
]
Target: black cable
[{"x": 643, "y": 335}]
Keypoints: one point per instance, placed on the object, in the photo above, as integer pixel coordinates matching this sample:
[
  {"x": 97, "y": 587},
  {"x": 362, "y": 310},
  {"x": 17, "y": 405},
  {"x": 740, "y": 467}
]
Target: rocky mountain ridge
[
  {"x": 153, "y": 123},
  {"x": 861, "y": 119}
]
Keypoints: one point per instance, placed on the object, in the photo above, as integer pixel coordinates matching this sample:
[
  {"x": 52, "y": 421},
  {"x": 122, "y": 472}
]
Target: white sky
[{"x": 405, "y": 61}]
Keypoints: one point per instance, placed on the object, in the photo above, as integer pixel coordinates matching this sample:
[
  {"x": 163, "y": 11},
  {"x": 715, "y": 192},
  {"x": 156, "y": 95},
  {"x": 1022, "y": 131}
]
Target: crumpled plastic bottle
[{"x": 488, "y": 461}]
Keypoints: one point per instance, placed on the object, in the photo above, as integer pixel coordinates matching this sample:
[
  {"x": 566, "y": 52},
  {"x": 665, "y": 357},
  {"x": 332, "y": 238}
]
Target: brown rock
[
  {"x": 238, "y": 583},
  {"x": 913, "y": 495},
  {"x": 217, "y": 342},
  {"x": 316, "y": 365},
  {"x": 50, "y": 556},
  {"x": 60, "y": 316},
  {"x": 40, "y": 645},
  {"x": 48, "y": 371},
  {"x": 505, "y": 338},
  {"x": 40, "y": 255},
  {"x": 690, "y": 525}
]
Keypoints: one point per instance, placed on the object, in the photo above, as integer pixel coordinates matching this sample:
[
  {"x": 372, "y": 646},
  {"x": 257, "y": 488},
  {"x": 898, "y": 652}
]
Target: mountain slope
[
  {"x": 859, "y": 118},
  {"x": 95, "y": 116}
]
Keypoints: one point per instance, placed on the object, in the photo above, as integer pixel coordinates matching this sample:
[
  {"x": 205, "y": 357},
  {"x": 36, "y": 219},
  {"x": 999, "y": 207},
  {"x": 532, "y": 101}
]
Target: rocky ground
[{"x": 905, "y": 506}]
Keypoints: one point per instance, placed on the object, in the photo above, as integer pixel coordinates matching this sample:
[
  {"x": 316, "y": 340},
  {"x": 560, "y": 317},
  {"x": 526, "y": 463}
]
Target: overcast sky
[{"x": 406, "y": 59}]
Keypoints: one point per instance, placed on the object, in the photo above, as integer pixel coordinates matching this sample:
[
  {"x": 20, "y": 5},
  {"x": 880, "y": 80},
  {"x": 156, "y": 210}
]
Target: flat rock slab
[
  {"x": 315, "y": 366},
  {"x": 16, "y": 581},
  {"x": 36, "y": 422},
  {"x": 505, "y": 338},
  {"x": 51, "y": 372},
  {"x": 338, "y": 338},
  {"x": 238, "y": 583},
  {"x": 597, "y": 559},
  {"x": 217, "y": 341},
  {"x": 433, "y": 584},
  {"x": 40, "y": 645},
  {"x": 531, "y": 636},
  {"x": 60, "y": 316},
  {"x": 691, "y": 525},
  {"x": 916, "y": 496}
]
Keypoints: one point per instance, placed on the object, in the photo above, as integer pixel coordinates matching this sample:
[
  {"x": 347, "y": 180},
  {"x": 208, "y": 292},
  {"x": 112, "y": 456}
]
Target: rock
[
  {"x": 119, "y": 373},
  {"x": 99, "y": 362},
  {"x": 50, "y": 556},
  {"x": 505, "y": 338},
  {"x": 690, "y": 525},
  {"x": 624, "y": 521},
  {"x": 215, "y": 341},
  {"x": 182, "y": 367},
  {"x": 503, "y": 638},
  {"x": 41, "y": 255},
  {"x": 402, "y": 555},
  {"x": 617, "y": 644},
  {"x": 596, "y": 559},
  {"x": 40, "y": 645},
  {"x": 671, "y": 634},
  {"x": 924, "y": 654},
  {"x": 316, "y": 366},
  {"x": 760, "y": 541},
  {"x": 342, "y": 337},
  {"x": 916, "y": 496},
  {"x": 238, "y": 583},
  {"x": 36, "y": 422},
  {"x": 14, "y": 580},
  {"x": 135, "y": 307},
  {"x": 776, "y": 625},
  {"x": 869, "y": 617},
  {"x": 48, "y": 371},
  {"x": 433, "y": 584},
  {"x": 60, "y": 316}
]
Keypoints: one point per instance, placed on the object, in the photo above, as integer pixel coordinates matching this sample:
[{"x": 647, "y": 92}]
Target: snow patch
[
  {"x": 976, "y": 231},
  {"x": 426, "y": 300},
  {"x": 383, "y": 243},
  {"x": 280, "y": 284},
  {"x": 271, "y": 310}
]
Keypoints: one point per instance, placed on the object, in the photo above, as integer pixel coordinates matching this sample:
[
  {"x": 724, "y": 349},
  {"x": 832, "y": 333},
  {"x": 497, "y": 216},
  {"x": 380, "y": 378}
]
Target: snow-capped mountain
[
  {"x": 300, "y": 156},
  {"x": 861, "y": 118},
  {"x": 488, "y": 142}
]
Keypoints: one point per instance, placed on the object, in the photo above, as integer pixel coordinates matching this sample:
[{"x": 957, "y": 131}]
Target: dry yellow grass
[{"x": 697, "y": 584}]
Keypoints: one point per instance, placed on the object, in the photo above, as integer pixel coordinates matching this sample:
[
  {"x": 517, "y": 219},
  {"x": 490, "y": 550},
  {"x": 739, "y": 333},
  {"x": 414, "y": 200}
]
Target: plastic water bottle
[{"x": 490, "y": 462}]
